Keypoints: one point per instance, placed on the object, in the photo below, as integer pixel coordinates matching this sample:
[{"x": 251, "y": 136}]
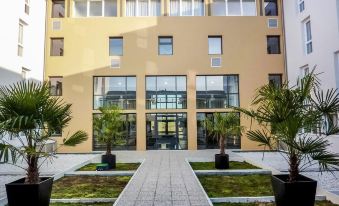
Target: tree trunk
[
  {"x": 32, "y": 171},
  {"x": 222, "y": 145},
  {"x": 109, "y": 148},
  {"x": 294, "y": 168}
]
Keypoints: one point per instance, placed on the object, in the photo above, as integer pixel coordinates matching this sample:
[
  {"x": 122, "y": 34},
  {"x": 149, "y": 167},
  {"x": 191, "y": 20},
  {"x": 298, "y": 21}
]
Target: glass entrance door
[{"x": 166, "y": 131}]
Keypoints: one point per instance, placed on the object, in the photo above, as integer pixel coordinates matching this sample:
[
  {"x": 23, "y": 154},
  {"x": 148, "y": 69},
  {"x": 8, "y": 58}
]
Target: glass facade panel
[
  {"x": 234, "y": 8},
  {"x": 208, "y": 141},
  {"x": 120, "y": 91},
  {"x": 249, "y": 8},
  {"x": 80, "y": 8},
  {"x": 129, "y": 130},
  {"x": 110, "y": 7},
  {"x": 166, "y": 92},
  {"x": 95, "y": 8},
  {"x": 218, "y": 8},
  {"x": 217, "y": 91},
  {"x": 166, "y": 131}
]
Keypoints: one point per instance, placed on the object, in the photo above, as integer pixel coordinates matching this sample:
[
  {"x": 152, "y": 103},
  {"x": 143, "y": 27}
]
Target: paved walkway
[{"x": 165, "y": 178}]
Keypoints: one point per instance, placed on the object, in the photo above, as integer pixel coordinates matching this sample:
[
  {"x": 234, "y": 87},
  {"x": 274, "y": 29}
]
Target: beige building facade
[{"x": 169, "y": 64}]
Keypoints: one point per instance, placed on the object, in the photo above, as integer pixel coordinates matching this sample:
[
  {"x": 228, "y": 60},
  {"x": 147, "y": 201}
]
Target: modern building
[
  {"x": 312, "y": 42},
  {"x": 169, "y": 64},
  {"x": 22, "y": 40}
]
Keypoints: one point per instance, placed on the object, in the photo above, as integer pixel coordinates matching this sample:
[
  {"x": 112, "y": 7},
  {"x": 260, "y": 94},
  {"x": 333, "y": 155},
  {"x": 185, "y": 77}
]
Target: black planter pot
[
  {"x": 300, "y": 193},
  {"x": 19, "y": 194},
  {"x": 110, "y": 160},
  {"x": 222, "y": 161}
]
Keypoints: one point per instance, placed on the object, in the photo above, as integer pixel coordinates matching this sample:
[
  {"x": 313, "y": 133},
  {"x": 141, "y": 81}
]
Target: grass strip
[{"x": 210, "y": 165}]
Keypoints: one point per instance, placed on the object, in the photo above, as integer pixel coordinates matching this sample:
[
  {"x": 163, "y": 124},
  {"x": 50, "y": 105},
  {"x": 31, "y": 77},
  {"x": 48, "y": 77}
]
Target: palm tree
[
  {"x": 222, "y": 126},
  {"x": 29, "y": 113},
  {"x": 109, "y": 128}
]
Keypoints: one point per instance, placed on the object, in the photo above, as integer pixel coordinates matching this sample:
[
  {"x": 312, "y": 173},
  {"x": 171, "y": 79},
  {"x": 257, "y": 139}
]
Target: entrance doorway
[{"x": 166, "y": 131}]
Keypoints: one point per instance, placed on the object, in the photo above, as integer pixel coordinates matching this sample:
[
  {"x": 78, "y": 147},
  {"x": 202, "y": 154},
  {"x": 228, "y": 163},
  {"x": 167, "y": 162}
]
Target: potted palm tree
[
  {"x": 108, "y": 127},
  {"x": 222, "y": 126},
  {"x": 30, "y": 114},
  {"x": 286, "y": 115}
]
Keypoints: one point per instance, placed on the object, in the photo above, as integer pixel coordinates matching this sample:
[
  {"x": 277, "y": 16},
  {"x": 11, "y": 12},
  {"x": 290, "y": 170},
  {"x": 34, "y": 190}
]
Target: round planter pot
[
  {"x": 110, "y": 160},
  {"x": 300, "y": 193},
  {"x": 19, "y": 193},
  {"x": 222, "y": 161}
]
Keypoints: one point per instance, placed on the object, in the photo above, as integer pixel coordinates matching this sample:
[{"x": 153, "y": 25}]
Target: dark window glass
[
  {"x": 55, "y": 84},
  {"x": 129, "y": 131},
  {"x": 120, "y": 91},
  {"x": 275, "y": 79},
  {"x": 57, "y": 46},
  {"x": 58, "y": 9},
  {"x": 271, "y": 8},
  {"x": 166, "y": 92},
  {"x": 273, "y": 44},
  {"x": 165, "y": 45},
  {"x": 116, "y": 46},
  {"x": 214, "y": 45},
  {"x": 166, "y": 131},
  {"x": 217, "y": 91},
  {"x": 205, "y": 140}
]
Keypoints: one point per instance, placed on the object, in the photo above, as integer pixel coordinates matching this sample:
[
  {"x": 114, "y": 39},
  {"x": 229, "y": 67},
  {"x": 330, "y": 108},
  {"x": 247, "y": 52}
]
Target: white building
[
  {"x": 312, "y": 41},
  {"x": 22, "y": 32}
]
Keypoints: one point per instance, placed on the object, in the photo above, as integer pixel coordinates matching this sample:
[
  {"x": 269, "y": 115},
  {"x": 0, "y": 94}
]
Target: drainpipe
[
  {"x": 284, "y": 34},
  {"x": 45, "y": 42}
]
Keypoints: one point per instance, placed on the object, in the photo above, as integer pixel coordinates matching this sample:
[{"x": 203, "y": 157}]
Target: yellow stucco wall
[{"x": 86, "y": 46}]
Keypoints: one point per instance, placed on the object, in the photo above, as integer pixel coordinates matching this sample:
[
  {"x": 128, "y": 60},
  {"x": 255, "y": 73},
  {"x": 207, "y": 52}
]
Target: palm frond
[{"x": 75, "y": 139}]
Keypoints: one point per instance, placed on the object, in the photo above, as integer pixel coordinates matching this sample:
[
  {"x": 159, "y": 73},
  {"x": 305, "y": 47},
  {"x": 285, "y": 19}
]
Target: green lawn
[
  {"x": 322, "y": 203},
  {"x": 119, "y": 167},
  {"x": 236, "y": 186},
  {"x": 210, "y": 165},
  {"x": 81, "y": 204},
  {"x": 89, "y": 187}
]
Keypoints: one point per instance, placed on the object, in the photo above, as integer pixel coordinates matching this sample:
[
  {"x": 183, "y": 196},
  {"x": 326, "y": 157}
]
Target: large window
[
  {"x": 57, "y": 46},
  {"x": 143, "y": 7},
  {"x": 273, "y": 44},
  {"x": 308, "y": 37},
  {"x": 55, "y": 86},
  {"x": 214, "y": 45},
  {"x": 166, "y": 92},
  {"x": 129, "y": 132},
  {"x": 217, "y": 91},
  {"x": 85, "y": 8},
  {"x": 120, "y": 91},
  {"x": 166, "y": 131},
  {"x": 58, "y": 9},
  {"x": 165, "y": 45},
  {"x": 115, "y": 46},
  {"x": 187, "y": 8},
  {"x": 205, "y": 140},
  {"x": 271, "y": 7},
  {"x": 21, "y": 39},
  {"x": 233, "y": 8}
]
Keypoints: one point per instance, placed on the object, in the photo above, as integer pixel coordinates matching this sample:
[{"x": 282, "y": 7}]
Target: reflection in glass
[
  {"x": 234, "y": 8},
  {"x": 207, "y": 141},
  {"x": 271, "y": 8},
  {"x": 218, "y": 8},
  {"x": 110, "y": 7},
  {"x": 120, "y": 91},
  {"x": 166, "y": 92},
  {"x": 166, "y": 131},
  {"x": 214, "y": 45},
  {"x": 95, "y": 8},
  {"x": 165, "y": 45},
  {"x": 129, "y": 130},
  {"x": 217, "y": 91},
  {"x": 115, "y": 46}
]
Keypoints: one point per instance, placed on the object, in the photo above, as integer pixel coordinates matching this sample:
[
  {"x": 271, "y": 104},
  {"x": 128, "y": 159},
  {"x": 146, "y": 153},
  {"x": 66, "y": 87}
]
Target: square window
[
  {"x": 214, "y": 45},
  {"x": 58, "y": 9},
  {"x": 273, "y": 44},
  {"x": 115, "y": 46},
  {"x": 165, "y": 45},
  {"x": 57, "y": 46}
]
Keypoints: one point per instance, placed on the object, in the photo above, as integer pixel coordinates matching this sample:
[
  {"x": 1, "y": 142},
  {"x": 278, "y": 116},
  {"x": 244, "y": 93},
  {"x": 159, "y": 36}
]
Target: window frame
[
  {"x": 88, "y": 9},
  {"x": 21, "y": 38},
  {"x": 279, "y": 43},
  {"x": 122, "y": 46},
  {"x": 63, "y": 46},
  {"x": 192, "y": 7},
  {"x": 137, "y": 10},
  {"x": 172, "y": 47},
  {"x": 310, "y": 41},
  {"x": 241, "y": 9},
  {"x": 221, "y": 44}
]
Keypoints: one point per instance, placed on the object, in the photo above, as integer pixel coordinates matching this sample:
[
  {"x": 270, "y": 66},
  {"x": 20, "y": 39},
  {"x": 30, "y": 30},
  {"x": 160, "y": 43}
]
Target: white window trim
[
  {"x": 137, "y": 10},
  {"x": 88, "y": 9},
  {"x": 268, "y": 22},
  {"x": 27, "y": 3},
  {"x": 241, "y": 8},
  {"x": 21, "y": 44},
  {"x": 306, "y": 42},
  {"x": 180, "y": 8}
]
